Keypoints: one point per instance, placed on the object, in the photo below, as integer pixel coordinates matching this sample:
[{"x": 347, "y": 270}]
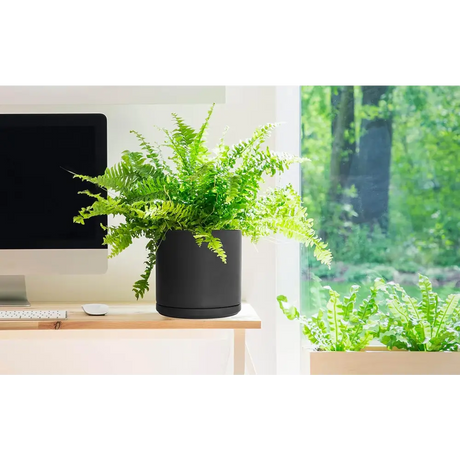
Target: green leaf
[
  {"x": 445, "y": 312},
  {"x": 349, "y": 301},
  {"x": 429, "y": 298}
]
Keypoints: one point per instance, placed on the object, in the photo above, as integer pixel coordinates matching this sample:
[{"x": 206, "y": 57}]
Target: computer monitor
[{"x": 39, "y": 198}]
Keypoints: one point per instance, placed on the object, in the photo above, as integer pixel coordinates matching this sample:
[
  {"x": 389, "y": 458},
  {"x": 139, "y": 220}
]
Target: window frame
[{"x": 288, "y": 138}]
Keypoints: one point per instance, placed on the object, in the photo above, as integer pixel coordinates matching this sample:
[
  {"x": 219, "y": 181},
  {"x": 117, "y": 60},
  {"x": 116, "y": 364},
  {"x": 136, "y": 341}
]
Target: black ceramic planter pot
[{"x": 193, "y": 282}]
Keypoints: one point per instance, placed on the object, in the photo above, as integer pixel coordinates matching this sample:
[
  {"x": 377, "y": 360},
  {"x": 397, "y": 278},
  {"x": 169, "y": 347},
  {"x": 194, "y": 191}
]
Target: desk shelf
[
  {"x": 130, "y": 316},
  {"x": 142, "y": 316}
]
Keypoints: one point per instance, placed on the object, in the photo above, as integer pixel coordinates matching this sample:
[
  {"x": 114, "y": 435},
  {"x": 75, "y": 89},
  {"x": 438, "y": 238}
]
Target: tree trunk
[
  {"x": 374, "y": 163},
  {"x": 343, "y": 149}
]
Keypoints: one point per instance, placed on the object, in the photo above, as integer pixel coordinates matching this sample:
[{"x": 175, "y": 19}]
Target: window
[{"x": 383, "y": 186}]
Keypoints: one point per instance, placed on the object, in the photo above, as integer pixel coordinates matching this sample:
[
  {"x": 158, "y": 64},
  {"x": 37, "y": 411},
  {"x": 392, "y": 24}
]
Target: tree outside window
[{"x": 383, "y": 186}]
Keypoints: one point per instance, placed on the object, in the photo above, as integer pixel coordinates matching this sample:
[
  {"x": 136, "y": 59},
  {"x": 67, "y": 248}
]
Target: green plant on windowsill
[
  {"x": 201, "y": 191},
  {"x": 341, "y": 326},
  {"x": 430, "y": 324}
]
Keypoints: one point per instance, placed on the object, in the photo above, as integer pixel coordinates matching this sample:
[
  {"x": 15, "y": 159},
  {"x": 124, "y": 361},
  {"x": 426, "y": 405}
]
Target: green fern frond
[
  {"x": 142, "y": 285},
  {"x": 429, "y": 298},
  {"x": 290, "y": 228},
  {"x": 184, "y": 134},
  {"x": 182, "y": 143},
  {"x": 124, "y": 176},
  {"x": 233, "y": 188},
  {"x": 364, "y": 342},
  {"x": 245, "y": 147},
  {"x": 102, "y": 207},
  {"x": 279, "y": 162},
  {"x": 153, "y": 153},
  {"x": 310, "y": 332},
  {"x": 155, "y": 187},
  {"x": 397, "y": 308},
  {"x": 349, "y": 302},
  {"x": 417, "y": 315},
  {"x": 290, "y": 311},
  {"x": 280, "y": 211},
  {"x": 317, "y": 325},
  {"x": 410, "y": 304},
  {"x": 198, "y": 149},
  {"x": 221, "y": 148},
  {"x": 446, "y": 310},
  {"x": 134, "y": 159},
  {"x": 180, "y": 155},
  {"x": 120, "y": 238},
  {"x": 447, "y": 340},
  {"x": 118, "y": 178},
  {"x": 318, "y": 320},
  {"x": 204, "y": 170},
  {"x": 204, "y": 127},
  {"x": 368, "y": 306},
  {"x": 313, "y": 328},
  {"x": 408, "y": 311},
  {"x": 168, "y": 210},
  {"x": 361, "y": 319},
  {"x": 214, "y": 244},
  {"x": 335, "y": 316}
]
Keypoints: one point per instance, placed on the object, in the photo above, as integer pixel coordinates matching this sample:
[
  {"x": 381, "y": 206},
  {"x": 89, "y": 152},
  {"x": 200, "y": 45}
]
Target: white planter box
[{"x": 379, "y": 361}]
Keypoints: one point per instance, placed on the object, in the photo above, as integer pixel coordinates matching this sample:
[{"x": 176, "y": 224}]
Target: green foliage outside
[
  {"x": 420, "y": 229},
  {"x": 199, "y": 190},
  {"x": 388, "y": 314}
]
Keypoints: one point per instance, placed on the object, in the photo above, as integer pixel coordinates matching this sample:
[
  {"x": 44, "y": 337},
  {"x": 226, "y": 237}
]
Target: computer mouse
[{"x": 95, "y": 309}]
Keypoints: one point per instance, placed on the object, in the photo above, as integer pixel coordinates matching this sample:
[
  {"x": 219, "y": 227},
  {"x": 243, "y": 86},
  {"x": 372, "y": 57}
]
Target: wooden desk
[{"x": 139, "y": 315}]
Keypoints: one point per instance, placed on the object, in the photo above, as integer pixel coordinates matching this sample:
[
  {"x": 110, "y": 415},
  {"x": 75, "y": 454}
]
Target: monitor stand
[{"x": 13, "y": 291}]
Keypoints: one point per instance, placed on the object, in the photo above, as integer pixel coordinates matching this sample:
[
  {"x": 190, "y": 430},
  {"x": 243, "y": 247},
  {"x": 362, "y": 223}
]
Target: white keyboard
[{"x": 24, "y": 315}]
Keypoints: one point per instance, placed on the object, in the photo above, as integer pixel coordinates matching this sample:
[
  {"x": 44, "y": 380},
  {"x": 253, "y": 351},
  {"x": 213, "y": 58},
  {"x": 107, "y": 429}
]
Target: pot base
[{"x": 198, "y": 313}]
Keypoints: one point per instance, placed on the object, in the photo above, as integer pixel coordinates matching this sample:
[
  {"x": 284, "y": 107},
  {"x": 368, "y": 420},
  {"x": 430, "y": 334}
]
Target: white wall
[
  {"x": 245, "y": 109},
  {"x": 28, "y": 95}
]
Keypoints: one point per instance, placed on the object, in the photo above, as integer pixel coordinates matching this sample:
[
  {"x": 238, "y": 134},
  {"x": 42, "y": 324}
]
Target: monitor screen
[{"x": 38, "y": 195}]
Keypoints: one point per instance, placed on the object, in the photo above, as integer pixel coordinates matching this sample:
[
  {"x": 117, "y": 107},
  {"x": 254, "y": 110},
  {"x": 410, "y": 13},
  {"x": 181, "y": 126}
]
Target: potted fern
[
  {"x": 194, "y": 210},
  {"x": 403, "y": 334}
]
